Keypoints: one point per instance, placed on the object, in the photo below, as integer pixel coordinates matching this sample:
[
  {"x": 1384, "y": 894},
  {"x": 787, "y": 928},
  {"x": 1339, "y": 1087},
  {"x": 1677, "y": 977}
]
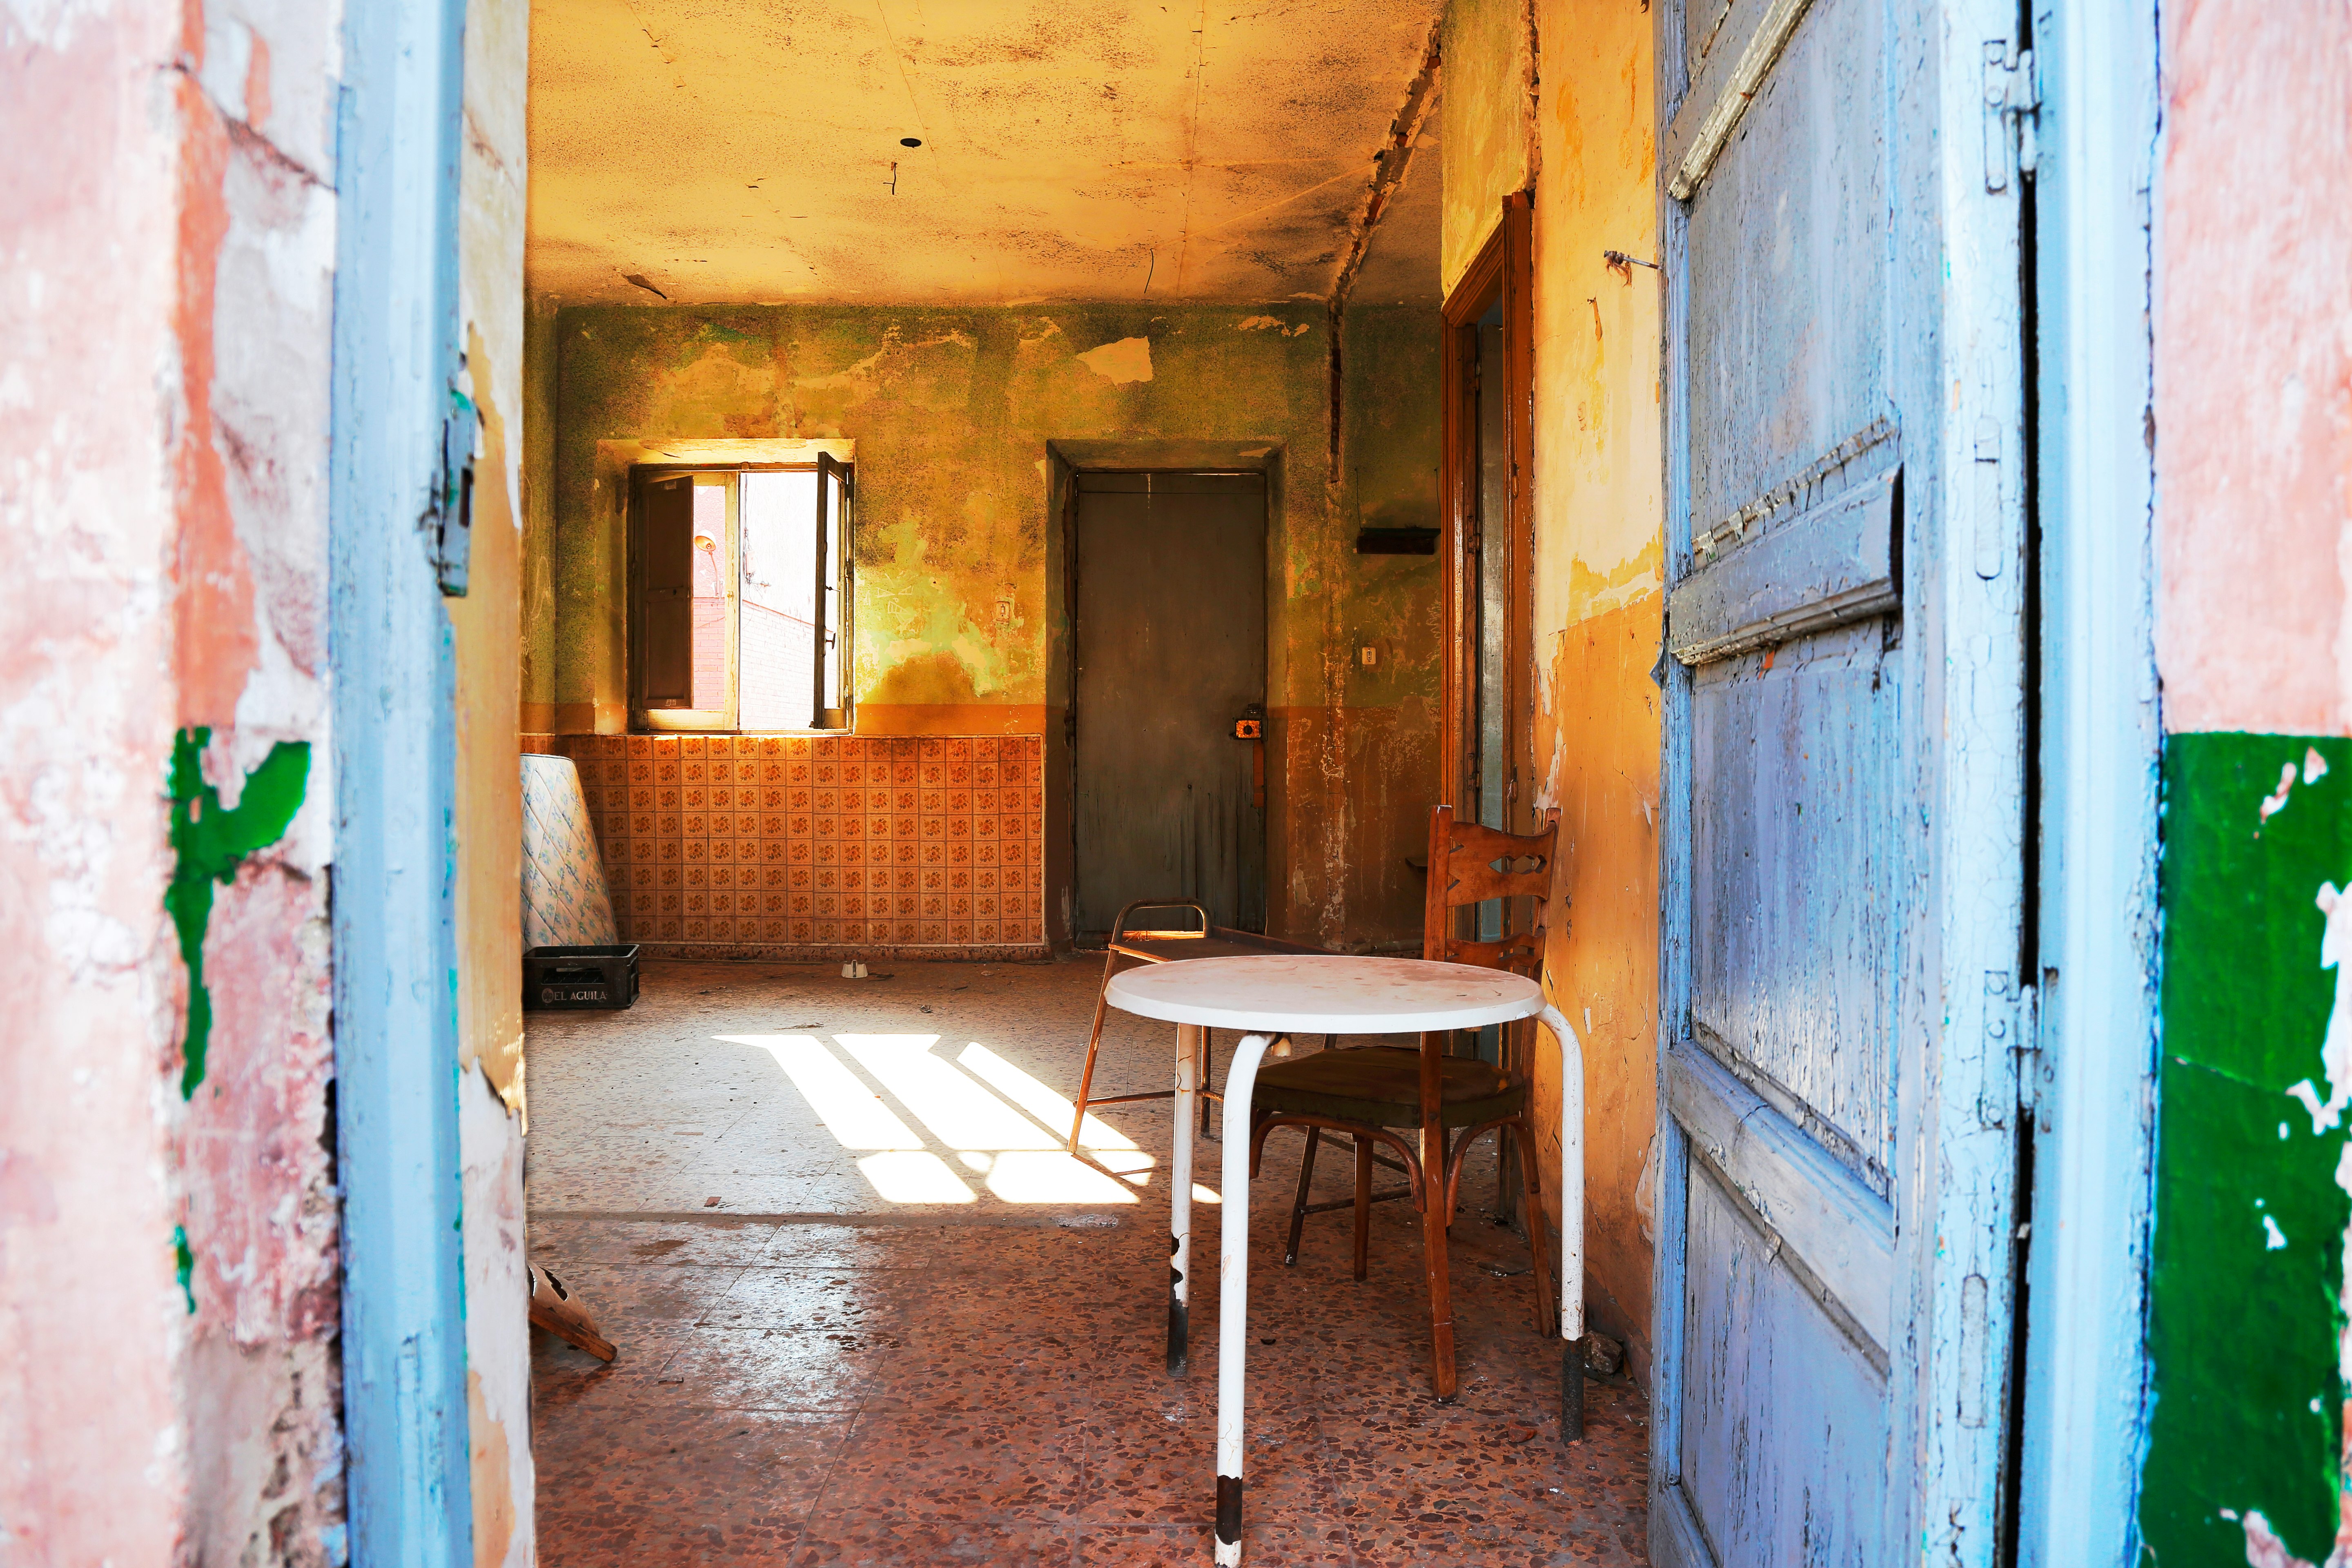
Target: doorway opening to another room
[{"x": 1488, "y": 484}]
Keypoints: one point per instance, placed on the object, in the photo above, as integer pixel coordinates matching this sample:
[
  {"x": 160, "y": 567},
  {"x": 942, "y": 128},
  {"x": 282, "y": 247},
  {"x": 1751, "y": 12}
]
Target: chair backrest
[{"x": 1462, "y": 870}]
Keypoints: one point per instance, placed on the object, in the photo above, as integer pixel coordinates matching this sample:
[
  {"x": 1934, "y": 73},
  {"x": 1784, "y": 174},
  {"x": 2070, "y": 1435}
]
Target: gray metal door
[
  {"x": 1170, "y": 647},
  {"x": 1845, "y": 773}
]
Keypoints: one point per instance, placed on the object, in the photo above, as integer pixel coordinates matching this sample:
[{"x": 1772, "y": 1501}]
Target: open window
[{"x": 739, "y": 596}]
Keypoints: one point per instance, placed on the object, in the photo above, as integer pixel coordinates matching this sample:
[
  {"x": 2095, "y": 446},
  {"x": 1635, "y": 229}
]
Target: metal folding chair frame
[{"x": 1154, "y": 946}]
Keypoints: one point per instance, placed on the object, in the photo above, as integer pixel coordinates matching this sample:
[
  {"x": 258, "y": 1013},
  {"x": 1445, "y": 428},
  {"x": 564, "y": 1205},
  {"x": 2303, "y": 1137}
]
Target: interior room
[{"x": 985, "y": 503}]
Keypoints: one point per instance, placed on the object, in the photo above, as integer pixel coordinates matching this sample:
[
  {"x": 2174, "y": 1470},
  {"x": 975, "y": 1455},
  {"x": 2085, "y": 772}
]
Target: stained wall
[
  {"x": 2253, "y": 435},
  {"x": 962, "y": 421},
  {"x": 1488, "y": 123},
  {"x": 485, "y": 640},
  {"x": 167, "y": 1204},
  {"x": 1587, "y": 146}
]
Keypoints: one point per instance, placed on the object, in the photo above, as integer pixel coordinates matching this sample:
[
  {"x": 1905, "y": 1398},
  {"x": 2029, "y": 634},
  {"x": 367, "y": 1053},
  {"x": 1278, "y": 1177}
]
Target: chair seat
[{"x": 1380, "y": 1086}]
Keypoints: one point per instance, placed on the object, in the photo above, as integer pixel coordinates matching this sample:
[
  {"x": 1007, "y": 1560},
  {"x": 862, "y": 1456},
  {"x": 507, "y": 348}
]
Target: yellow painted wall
[
  {"x": 1600, "y": 551},
  {"x": 485, "y": 629},
  {"x": 1600, "y": 602},
  {"x": 1483, "y": 120}
]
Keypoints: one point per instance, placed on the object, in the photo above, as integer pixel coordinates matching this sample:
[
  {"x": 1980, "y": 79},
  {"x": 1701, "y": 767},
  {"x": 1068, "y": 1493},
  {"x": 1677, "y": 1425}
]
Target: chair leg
[
  {"x": 1434, "y": 1167},
  {"x": 1506, "y": 1167},
  {"x": 1539, "y": 1235},
  {"x": 1363, "y": 1204},
  {"x": 1094, "y": 1044},
  {"x": 1211, "y": 1126},
  {"x": 1441, "y": 1294},
  {"x": 1298, "y": 1204}
]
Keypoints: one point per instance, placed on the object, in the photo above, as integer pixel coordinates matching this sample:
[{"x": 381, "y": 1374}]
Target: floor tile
[
  {"x": 964, "y": 1466},
  {"x": 861, "y": 1541},
  {"x": 1263, "y": 1546},
  {"x": 858, "y": 1383}
]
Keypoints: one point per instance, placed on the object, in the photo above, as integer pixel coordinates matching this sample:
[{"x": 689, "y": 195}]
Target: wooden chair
[{"x": 1367, "y": 1092}]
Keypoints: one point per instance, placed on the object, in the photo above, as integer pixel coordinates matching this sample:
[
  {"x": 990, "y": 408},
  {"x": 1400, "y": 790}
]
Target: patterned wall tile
[{"x": 816, "y": 842}]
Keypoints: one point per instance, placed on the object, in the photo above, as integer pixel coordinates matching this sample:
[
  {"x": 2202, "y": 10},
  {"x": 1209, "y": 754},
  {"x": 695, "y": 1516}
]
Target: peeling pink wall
[
  {"x": 166, "y": 235},
  {"x": 2253, "y": 368}
]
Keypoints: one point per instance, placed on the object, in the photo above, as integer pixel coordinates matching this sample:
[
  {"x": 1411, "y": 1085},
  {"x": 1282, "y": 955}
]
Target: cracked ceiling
[{"x": 751, "y": 151}]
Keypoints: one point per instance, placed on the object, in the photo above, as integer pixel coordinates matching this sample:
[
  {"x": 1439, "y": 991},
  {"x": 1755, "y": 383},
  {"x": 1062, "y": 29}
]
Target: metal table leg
[
  {"x": 1233, "y": 1295},
  {"x": 1571, "y": 1224},
  {"x": 1180, "y": 1202}
]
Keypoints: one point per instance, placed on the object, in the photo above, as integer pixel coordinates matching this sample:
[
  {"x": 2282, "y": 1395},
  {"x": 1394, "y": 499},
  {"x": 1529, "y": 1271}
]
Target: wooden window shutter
[{"x": 667, "y": 558}]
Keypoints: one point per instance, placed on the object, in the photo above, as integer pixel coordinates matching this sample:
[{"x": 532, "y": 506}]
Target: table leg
[
  {"x": 1571, "y": 1224},
  {"x": 1180, "y": 1202},
  {"x": 1233, "y": 1296}
]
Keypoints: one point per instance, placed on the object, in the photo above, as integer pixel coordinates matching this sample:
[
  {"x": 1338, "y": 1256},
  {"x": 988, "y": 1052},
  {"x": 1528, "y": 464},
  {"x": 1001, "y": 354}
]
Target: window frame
[{"x": 839, "y": 564}]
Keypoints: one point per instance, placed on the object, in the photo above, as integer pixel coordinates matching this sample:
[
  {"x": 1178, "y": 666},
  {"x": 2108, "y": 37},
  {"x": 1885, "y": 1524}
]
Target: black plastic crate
[{"x": 559, "y": 978}]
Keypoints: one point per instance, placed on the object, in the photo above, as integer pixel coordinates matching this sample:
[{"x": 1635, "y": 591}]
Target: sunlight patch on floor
[{"x": 996, "y": 1120}]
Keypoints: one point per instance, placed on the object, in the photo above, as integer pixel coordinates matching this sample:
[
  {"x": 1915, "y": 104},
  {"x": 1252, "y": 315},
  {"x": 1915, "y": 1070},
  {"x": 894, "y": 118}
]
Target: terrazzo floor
[{"x": 909, "y": 1333}]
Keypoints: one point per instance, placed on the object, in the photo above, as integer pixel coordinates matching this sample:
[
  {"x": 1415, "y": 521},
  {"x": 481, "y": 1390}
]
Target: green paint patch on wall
[
  {"x": 2245, "y": 1292},
  {"x": 184, "y": 1266},
  {"x": 209, "y": 843}
]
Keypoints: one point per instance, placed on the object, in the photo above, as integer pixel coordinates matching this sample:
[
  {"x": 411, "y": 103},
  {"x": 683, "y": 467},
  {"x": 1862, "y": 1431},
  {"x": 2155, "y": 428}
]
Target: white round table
[{"x": 1270, "y": 999}]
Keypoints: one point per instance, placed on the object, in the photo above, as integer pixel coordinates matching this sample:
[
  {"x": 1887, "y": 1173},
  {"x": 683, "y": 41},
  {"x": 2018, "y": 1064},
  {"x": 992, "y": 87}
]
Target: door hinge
[
  {"x": 2012, "y": 92},
  {"x": 2029, "y": 1048},
  {"x": 1997, "y": 1091}
]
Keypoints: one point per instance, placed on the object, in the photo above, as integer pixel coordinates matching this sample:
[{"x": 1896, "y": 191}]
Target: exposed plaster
[{"x": 1121, "y": 363}]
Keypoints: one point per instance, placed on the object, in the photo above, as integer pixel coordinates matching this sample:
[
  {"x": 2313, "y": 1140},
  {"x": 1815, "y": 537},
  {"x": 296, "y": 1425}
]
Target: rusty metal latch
[
  {"x": 1251, "y": 726},
  {"x": 2012, "y": 90},
  {"x": 449, "y": 521}
]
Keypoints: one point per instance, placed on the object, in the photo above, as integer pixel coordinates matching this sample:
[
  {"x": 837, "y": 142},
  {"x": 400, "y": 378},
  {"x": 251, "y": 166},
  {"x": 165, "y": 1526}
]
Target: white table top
[{"x": 1326, "y": 994}]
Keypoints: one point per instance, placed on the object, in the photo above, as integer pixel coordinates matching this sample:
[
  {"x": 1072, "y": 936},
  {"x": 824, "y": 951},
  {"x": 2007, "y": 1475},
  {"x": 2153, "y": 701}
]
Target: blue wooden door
[{"x": 1845, "y": 800}]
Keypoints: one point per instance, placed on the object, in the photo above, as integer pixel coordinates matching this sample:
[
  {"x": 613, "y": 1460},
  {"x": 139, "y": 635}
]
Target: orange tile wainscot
[{"x": 799, "y": 846}]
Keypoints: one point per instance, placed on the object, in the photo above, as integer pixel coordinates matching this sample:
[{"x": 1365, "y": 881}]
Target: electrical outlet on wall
[{"x": 1368, "y": 655}]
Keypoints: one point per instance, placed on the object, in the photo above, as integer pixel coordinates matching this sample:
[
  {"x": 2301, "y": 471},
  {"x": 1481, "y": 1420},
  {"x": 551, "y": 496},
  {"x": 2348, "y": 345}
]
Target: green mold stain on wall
[
  {"x": 2246, "y": 1282},
  {"x": 209, "y": 843}
]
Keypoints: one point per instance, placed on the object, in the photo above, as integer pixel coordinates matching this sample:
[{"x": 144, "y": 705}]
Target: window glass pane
[
  {"x": 779, "y": 548},
  {"x": 833, "y": 575},
  {"x": 709, "y": 596}
]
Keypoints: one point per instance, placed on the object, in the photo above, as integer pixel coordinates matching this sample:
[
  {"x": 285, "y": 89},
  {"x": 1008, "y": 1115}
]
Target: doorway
[
  {"x": 1168, "y": 596},
  {"x": 1489, "y": 459}
]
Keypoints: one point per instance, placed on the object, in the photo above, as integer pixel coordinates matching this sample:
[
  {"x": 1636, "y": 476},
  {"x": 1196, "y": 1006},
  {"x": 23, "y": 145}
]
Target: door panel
[
  {"x": 1842, "y": 849},
  {"x": 1784, "y": 1449},
  {"x": 1794, "y": 885},
  {"x": 1788, "y": 267},
  {"x": 1170, "y": 650}
]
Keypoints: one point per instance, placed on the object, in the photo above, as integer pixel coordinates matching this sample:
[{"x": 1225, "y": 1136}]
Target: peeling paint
[
  {"x": 1127, "y": 360},
  {"x": 2250, "y": 1230},
  {"x": 184, "y": 1266},
  {"x": 953, "y": 414},
  {"x": 210, "y": 842},
  {"x": 1087, "y": 151}
]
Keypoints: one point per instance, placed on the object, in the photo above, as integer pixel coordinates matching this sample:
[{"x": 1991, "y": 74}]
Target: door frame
[
  {"x": 2082, "y": 1414},
  {"x": 397, "y": 364},
  {"x": 1502, "y": 270}
]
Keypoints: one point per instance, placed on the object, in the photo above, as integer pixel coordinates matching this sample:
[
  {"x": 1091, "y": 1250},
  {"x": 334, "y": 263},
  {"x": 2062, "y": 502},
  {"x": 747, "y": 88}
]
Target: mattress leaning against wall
[{"x": 564, "y": 903}]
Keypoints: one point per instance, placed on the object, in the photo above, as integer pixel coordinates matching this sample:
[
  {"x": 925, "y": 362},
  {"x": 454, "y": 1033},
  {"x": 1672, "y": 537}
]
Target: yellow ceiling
[{"x": 744, "y": 149}]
